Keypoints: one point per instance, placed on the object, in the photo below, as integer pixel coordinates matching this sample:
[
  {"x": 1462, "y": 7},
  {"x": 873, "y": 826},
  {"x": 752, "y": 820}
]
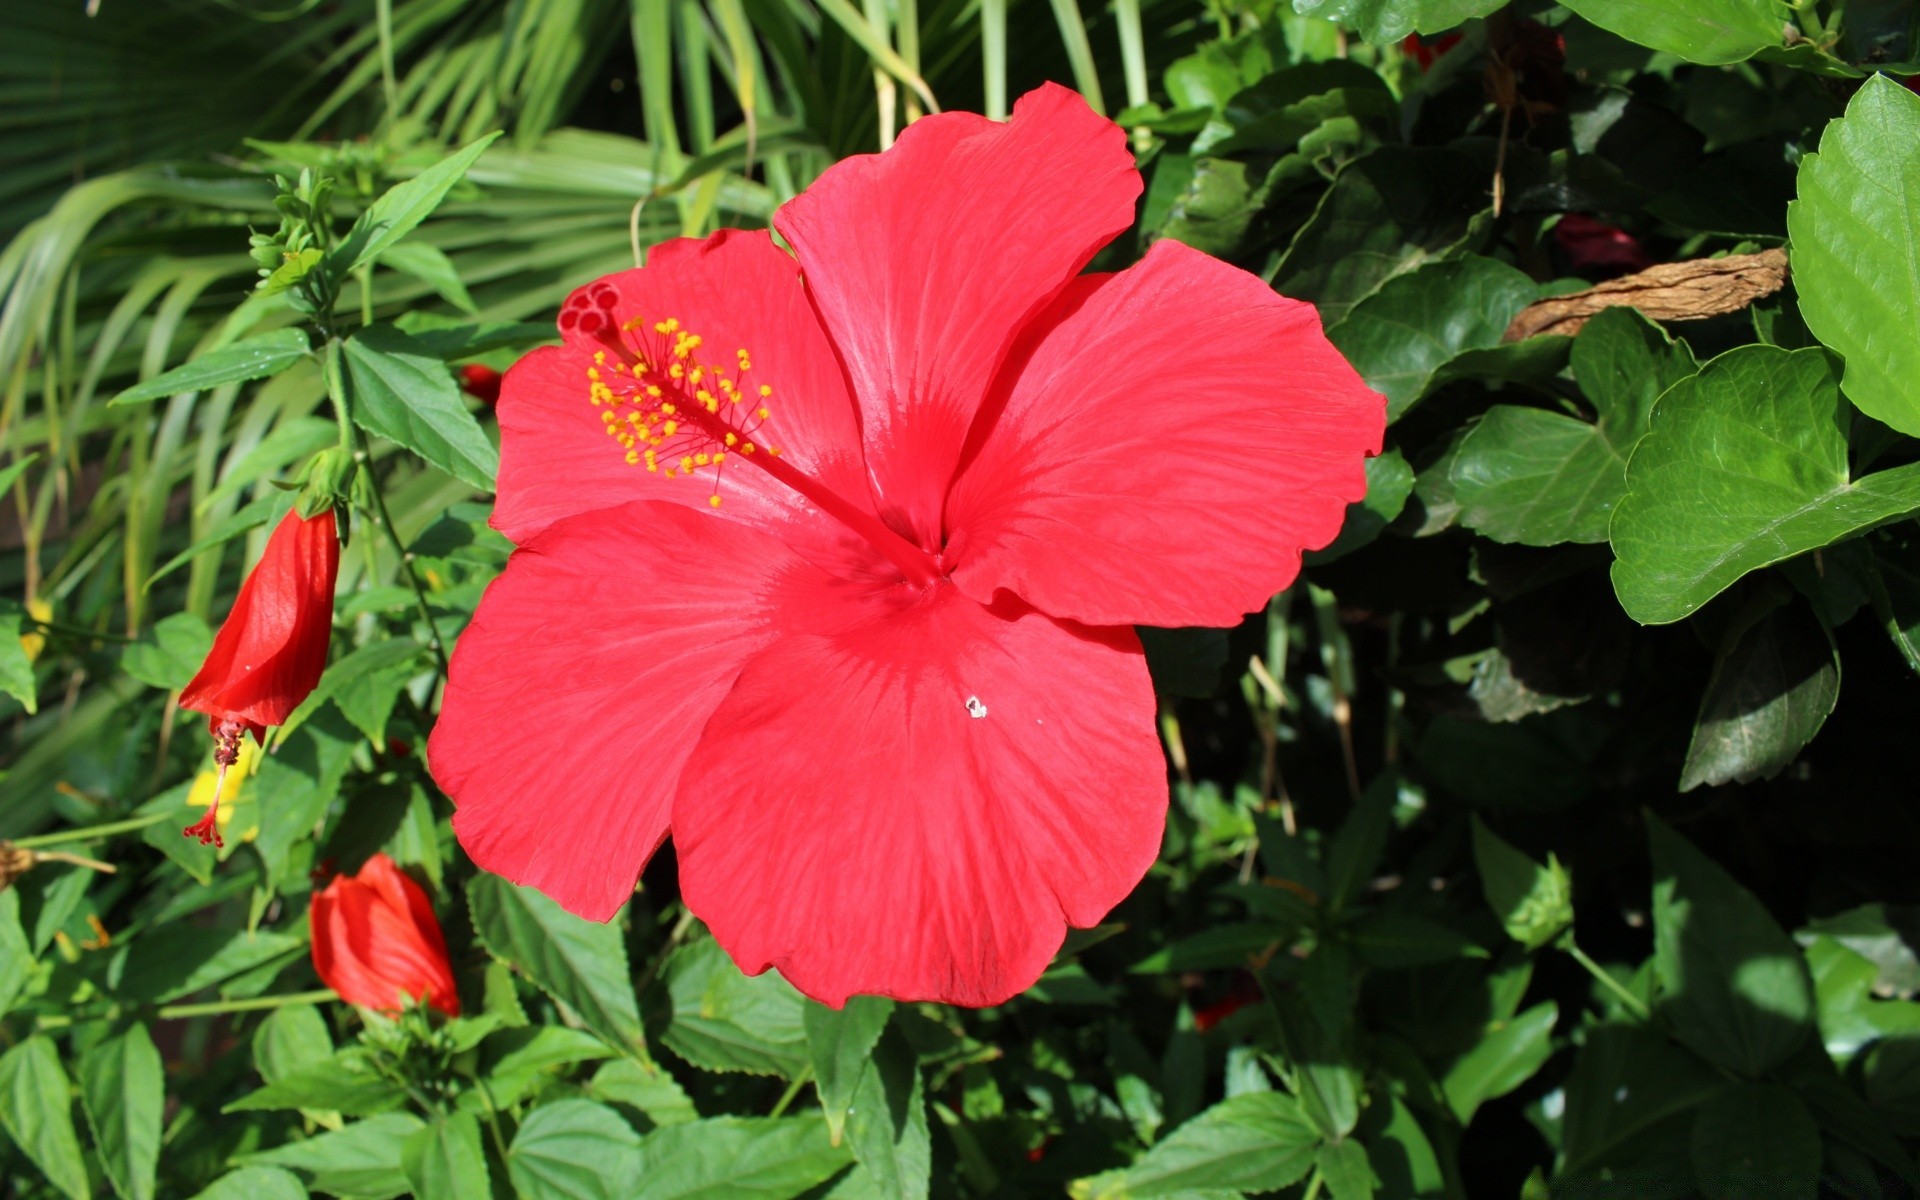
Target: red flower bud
[
  {"x": 377, "y": 943},
  {"x": 1592, "y": 245},
  {"x": 1424, "y": 52},
  {"x": 270, "y": 652},
  {"x": 480, "y": 382}
]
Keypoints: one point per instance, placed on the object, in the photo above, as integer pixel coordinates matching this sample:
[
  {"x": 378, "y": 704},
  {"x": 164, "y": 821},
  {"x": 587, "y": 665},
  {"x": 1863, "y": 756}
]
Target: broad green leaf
[
  {"x": 123, "y": 1087},
  {"x": 360, "y": 683},
  {"x": 737, "y": 1158},
  {"x": 1625, "y": 1081},
  {"x": 249, "y": 358},
  {"x": 176, "y": 960},
  {"x": 726, "y": 1021},
  {"x": 16, "y": 952},
  {"x": 1539, "y": 477},
  {"x": 1770, "y": 693},
  {"x": 886, "y": 1124},
  {"x": 582, "y": 964},
  {"x": 256, "y": 1183},
  {"x": 1710, "y": 32},
  {"x": 575, "y": 1150},
  {"x": 1400, "y": 1152},
  {"x": 445, "y": 1158},
  {"x": 514, "y": 1059},
  {"x": 1734, "y": 987},
  {"x": 1854, "y": 266},
  {"x": 16, "y": 669},
  {"x": 1756, "y": 1142},
  {"x": 170, "y": 653},
  {"x": 1256, "y": 1142},
  {"x": 1386, "y": 21},
  {"x": 450, "y": 338},
  {"x": 1506, "y": 1055},
  {"x": 405, "y": 205},
  {"x": 1344, "y": 1166},
  {"x": 36, "y": 1110},
  {"x": 1534, "y": 903},
  {"x": 431, "y": 266},
  {"x": 643, "y": 1086},
  {"x": 293, "y": 1036},
  {"x": 840, "y": 1044},
  {"x": 347, "y": 1082},
  {"x": 1402, "y": 336},
  {"x": 1391, "y": 938},
  {"x": 405, "y": 393},
  {"x": 1896, "y": 594},
  {"x": 360, "y": 1162},
  {"x": 1745, "y": 466},
  {"x": 1389, "y": 485}
]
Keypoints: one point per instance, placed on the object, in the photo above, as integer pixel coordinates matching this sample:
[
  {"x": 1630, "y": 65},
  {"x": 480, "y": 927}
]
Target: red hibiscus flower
[
  {"x": 270, "y": 652},
  {"x": 829, "y": 565},
  {"x": 377, "y": 943},
  {"x": 481, "y": 382}
]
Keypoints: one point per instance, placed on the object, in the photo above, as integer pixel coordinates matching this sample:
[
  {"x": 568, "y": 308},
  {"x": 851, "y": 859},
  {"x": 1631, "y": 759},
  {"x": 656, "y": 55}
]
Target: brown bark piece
[{"x": 1682, "y": 291}]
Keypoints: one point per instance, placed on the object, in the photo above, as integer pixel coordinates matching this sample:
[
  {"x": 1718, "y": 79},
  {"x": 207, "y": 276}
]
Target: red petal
[
  {"x": 926, "y": 259},
  {"x": 1178, "y": 435},
  {"x": 853, "y": 823},
  {"x": 738, "y": 291},
  {"x": 583, "y": 682},
  {"x": 377, "y": 943}
]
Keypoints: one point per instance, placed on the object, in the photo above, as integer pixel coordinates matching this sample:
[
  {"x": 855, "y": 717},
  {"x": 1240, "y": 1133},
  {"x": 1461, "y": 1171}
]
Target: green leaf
[
  {"x": 887, "y": 1122},
  {"x": 36, "y": 1110},
  {"x": 575, "y": 1150},
  {"x": 580, "y": 963},
  {"x": 1386, "y": 21},
  {"x": 170, "y": 653},
  {"x": 361, "y": 1161},
  {"x": 1402, "y": 336},
  {"x": 347, "y": 1082},
  {"x": 646, "y": 1087},
  {"x": 403, "y": 392},
  {"x": 16, "y": 669},
  {"x": 726, "y": 1021},
  {"x": 175, "y": 960},
  {"x": 1391, "y": 939},
  {"x": 293, "y": 1036},
  {"x": 249, "y": 358},
  {"x": 1534, "y": 903},
  {"x": 445, "y": 1158},
  {"x": 16, "y": 953},
  {"x": 1539, "y": 477},
  {"x": 1710, "y": 32},
  {"x": 450, "y": 338},
  {"x": 1504, "y": 1056},
  {"x": 1745, "y": 466},
  {"x": 1770, "y": 693},
  {"x": 1256, "y": 1142},
  {"x": 1854, "y": 265},
  {"x": 516, "y": 1058},
  {"x": 737, "y": 1158},
  {"x": 395, "y": 214},
  {"x": 840, "y": 1044},
  {"x": 123, "y": 1087},
  {"x": 431, "y": 266},
  {"x": 1756, "y": 1142},
  {"x": 1345, "y": 1167},
  {"x": 1734, "y": 987},
  {"x": 1896, "y": 596},
  {"x": 1627, "y": 1081},
  {"x": 1389, "y": 485},
  {"x": 256, "y": 1183}
]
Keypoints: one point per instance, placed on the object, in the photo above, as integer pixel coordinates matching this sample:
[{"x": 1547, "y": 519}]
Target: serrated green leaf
[
  {"x": 1854, "y": 266},
  {"x": 840, "y": 1044},
  {"x": 405, "y": 393},
  {"x": 292, "y": 1037},
  {"x": 1770, "y": 693},
  {"x": 176, "y": 960},
  {"x": 401, "y": 208},
  {"x": 726, "y": 1021},
  {"x": 445, "y": 1158},
  {"x": 886, "y": 1124},
  {"x": 646, "y": 1087},
  {"x": 1710, "y": 32},
  {"x": 1256, "y": 1142},
  {"x": 1345, "y": 1167},
  {"x": 170, "y": 653},
  {"x": 16, "y": 953},
  {"x": 1383, "y": 22},
  {"x": 256, "y": 1183},
  {"x": 1626, "y": 1081},
  {"x": 36, "y": 1110},
  {"x": 737, "y": 1158},
  {"x": 1534, "y": 903},
  {"x": 1756, "y": 1142},
  {"x": 575, "y": 1150},
  {"x": 1745, "y": 465},
  {"x": 580, "y": 963},
  {"x": 514, "y": 1059},
  {"x": 360, "y": 1162},
  {"x": 249, "y": 358},
  {"x": 347, "y": 1082},
  {"x": 431, "y": 266},
  {"x": 1733, "y": 985},
  {"x": 1505, "y": 1055},
  {"x": 123, "y": 1088}
]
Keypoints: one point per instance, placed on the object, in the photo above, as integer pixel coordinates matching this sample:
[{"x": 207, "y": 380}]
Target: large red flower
[
  {"x": 829, "y": 565},
  {"x": 377, "y": 942}
]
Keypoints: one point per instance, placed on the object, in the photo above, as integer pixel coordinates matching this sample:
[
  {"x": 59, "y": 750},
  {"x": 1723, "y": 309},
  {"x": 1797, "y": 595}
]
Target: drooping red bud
[{"x": 377, "y": 942}]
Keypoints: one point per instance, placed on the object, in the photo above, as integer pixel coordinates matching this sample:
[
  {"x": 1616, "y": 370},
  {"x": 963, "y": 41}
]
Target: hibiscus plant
[{"x": 790, "y": 599}]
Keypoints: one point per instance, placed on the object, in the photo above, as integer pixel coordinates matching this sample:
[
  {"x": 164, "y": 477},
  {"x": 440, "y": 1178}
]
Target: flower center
[{"x": 677, "y": 414}]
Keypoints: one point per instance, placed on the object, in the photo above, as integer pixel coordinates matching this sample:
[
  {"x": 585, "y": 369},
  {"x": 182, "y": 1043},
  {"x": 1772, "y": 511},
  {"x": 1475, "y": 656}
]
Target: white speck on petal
[{"x": 975, "y": 709}]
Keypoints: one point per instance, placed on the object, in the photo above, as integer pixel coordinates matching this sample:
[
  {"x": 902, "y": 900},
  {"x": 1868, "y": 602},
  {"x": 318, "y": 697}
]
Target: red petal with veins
[
  {"x": 737, "y": 291},
  {"x": 580, "y": 688},
  {"x": 377, "y": 942},
  {"x": 919, "y": 806},
  {"x": 925, "y": 260},
  {"x": 1172, "y": 438}
]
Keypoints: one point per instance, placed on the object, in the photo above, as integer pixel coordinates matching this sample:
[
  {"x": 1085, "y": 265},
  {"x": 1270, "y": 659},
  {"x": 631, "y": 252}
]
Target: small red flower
[
  {"x": 1424, "y": 52},
  {"x": 830, "y": 565},
  {"x": 377, "y": 943},
  {"x": 481, "y": 382},
  {"x": 1594, "y": 246},
  {"x": 270, "y": 652}
]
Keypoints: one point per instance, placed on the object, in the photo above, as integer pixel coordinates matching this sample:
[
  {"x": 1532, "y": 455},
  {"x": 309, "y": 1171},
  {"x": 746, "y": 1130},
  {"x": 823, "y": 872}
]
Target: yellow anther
[
  {"x": 731, "y": 440},
  {"x": 633, "y": 323},
  {"x": 670, "y": 472},
  {"x": 774, "y": 451},
  {"x": 667, "y": 408},
  {"x": 666, "y": 326},
  {"x": 599, "y": 360},
  {"x": 719, "y": 456},
  {"x": 700, "y": 460},
  {"x": 607, "y": 418},
  {"x": 677, "y": 371},
  {"x": 714, "y": 500},
  {"x": 766, "y": 389},
  {"x": 593, "y": 373},
  {"x": 653, "y": 390},
  {"x": 747, "y": 449},
  {"x": 670, "y": 428},
  {"x": 764, "y": 414},
  {"x": 633, "y": 458},
  {"x": 703, "y": 396},
  {"x": 686, "y": 462}
]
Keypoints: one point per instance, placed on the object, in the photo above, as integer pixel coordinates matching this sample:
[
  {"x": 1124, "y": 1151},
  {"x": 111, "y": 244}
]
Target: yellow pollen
[
  {"x": 714, "y": 500},
  {"x": 700, "y": 460},
  {"x": 670, "y": 428},
  {"x": 593, "y": 373},
  {"x": 719, "y": 456},
  {"x": 731, "y": 439},
  {"x": 686, "y": 462},
  {"x": 599, "y": 360},
  {"x": 633, "y": 458},
  {"x": 677, "y": 371},
  {"x": 665, "y": 408},
  {"x": 763, "y": 414},
  {"x": 747, "y": 449},
  {"x": 766, "y": 389}
]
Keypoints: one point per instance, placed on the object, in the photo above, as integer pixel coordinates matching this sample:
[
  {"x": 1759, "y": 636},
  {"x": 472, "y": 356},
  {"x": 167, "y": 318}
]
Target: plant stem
[
  {"x": 1634, "y": 1004},
  {"x": 406, "y": 560},
  {"x": 89, "y": 832},
  {"x": 173, "y": 1012},
  {"x": 1314, "y": 1185},
  {"x": 793, "y": 1089}
]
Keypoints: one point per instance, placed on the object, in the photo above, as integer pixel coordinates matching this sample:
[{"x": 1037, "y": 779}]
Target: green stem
[
  {"x": 793, "y": 1089},
  {"x": 1606, "y": 979},
  {"x": 173, "y": 1012},
  {"x": 383, "y": 17},
  {"x": 89, "y": 832},
  {"x": 79, "y": 631},
  {"x": 1314, "y": 1185},
  {"x": 406, "y": 560}
]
